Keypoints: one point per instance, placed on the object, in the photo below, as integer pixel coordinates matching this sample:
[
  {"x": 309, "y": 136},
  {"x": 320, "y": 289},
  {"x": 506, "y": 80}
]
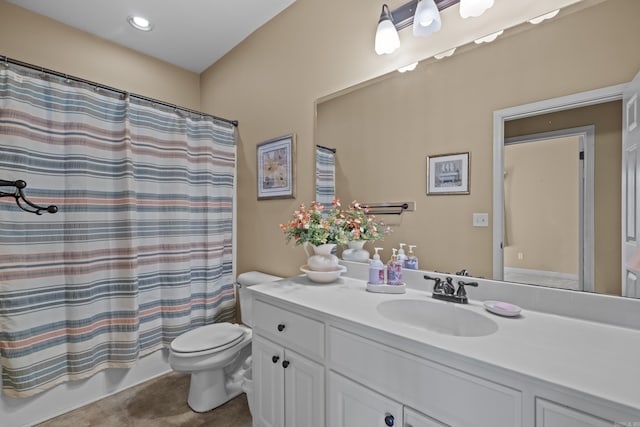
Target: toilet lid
[{"x": 208, "y": 337}]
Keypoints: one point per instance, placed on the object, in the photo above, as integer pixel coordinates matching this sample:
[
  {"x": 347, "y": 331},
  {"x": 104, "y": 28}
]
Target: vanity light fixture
[
  {"x": 139, "y": 23},
  {"x": 474, "y": 8},
  {"x": 409, "y": 67},
  {"x": 424, "y": 15},
  {"x": 544, "y": 17},
  {"x": 426, "y": 20},
  {"x": 387, "y": 40},
  {"x": 489, "y": 38},
  {"x": 444, "y": 54}
]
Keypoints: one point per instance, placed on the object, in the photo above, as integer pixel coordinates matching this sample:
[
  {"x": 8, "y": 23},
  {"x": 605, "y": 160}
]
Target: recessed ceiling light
[{"x": 140, "y": 23}]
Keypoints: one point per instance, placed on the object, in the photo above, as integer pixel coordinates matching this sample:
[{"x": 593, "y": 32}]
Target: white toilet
[{"x": 218, "y": 355}]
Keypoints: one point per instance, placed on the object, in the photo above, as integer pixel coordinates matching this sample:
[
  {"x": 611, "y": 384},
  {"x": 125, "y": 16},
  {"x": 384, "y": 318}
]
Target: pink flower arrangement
[{"x": 316, "y": 225}]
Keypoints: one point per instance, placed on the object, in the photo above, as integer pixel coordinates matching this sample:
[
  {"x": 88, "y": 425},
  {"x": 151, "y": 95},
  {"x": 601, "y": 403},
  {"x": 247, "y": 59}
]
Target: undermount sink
[{"x": 437, "y": 316}]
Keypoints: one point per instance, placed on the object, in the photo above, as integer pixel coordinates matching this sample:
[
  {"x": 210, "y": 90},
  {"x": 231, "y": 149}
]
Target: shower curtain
[
  {"x": 141, "y": 248},
  {"x": 325, "y": 175}
]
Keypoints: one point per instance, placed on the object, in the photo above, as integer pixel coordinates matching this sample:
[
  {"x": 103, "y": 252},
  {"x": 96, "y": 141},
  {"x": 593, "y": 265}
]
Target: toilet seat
[{"x": 214, "y": 337}]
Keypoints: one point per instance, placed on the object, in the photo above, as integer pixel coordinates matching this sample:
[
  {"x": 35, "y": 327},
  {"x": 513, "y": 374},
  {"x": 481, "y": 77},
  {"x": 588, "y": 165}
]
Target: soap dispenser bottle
[
  {"x": 376, "y": 269},
  {"x": 402, "y": 257},
  {"x": 411, "y": 262},
  {"x": 394, "y": 270}
]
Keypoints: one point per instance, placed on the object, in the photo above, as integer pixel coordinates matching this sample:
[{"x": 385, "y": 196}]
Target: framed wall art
[
  {"x": 448, "y": 174},
  {"x": 276, "y": 160}
]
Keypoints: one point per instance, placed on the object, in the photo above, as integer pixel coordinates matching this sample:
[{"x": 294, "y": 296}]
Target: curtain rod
[
  {"x": 333, "y": 150},
  {"x": 6, "y": 60}
]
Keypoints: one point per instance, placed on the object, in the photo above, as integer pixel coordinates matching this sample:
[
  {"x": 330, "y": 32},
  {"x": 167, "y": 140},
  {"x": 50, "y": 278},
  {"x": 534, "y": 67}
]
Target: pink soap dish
[{"x": 502, "y": 308}]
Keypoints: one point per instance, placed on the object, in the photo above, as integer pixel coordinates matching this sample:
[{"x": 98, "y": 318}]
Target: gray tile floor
[{"x": 161, "y": 402}]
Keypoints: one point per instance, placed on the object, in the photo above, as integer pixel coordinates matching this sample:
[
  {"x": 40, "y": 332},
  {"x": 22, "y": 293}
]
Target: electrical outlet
[
  {"x": 480, "y": 219},
  {"x": 520, "y": 256}
]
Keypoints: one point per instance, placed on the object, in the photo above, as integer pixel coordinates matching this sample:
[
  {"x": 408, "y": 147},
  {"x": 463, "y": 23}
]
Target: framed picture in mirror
[
  {"x": 448, "y": 174},
  {"x": 276, "y": 168}
]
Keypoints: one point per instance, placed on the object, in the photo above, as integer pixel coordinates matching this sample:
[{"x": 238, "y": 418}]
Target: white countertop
[{"x": 592, "y": 358}]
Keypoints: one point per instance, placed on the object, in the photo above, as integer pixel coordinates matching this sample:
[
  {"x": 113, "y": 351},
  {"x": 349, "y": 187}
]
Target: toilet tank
[{"x": 245, "y": 280}]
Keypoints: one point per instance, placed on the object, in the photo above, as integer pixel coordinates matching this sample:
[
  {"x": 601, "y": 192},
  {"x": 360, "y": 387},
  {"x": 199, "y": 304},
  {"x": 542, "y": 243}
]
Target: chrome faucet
[
  {"x": 446, "y": 291},
  {"x": 463, "y": 272}
]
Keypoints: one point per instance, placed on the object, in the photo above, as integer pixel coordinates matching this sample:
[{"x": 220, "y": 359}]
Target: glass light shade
[
  {"x": 426, "y": 19},
  {"x": 474, "y": 8},
  {"x": 387, "y": 40}
]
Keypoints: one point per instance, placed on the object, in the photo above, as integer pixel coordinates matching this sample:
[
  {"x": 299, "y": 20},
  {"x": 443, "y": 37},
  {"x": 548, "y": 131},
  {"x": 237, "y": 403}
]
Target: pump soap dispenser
[
  {"x": 394, "y": 270},
  {"x": 411, "y": 262},
  {"x": 376, "y": 275},
  {"x": 402, "y": 257},
  {"x": 376, "y": 269}
]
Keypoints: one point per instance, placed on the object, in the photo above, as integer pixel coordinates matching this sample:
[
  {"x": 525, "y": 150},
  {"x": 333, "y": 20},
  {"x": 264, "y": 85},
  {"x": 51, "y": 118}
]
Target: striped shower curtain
[
  {"x": 325, "y": 175},
  {"x": 141, "y": 248}
]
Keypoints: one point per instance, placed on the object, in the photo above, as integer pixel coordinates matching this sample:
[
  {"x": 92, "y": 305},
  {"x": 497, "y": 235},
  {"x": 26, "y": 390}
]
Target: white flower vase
[
  {"x": 355, "y": 252},
  {"x": 322, "y": 259}
]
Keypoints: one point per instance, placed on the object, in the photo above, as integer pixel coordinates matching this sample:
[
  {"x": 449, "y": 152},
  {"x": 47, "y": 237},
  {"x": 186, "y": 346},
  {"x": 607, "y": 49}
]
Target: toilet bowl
[{"x": 218, "y": 355}]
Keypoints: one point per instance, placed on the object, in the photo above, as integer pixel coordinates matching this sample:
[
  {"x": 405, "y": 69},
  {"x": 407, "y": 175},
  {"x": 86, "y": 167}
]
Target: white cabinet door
[
  {"x": 549, "y": 414},
  {"x": 416, "y": 419},
  {"x": 288, "y": 387},
  {"x": 268, "y": 383},
  {"x": 303, "y": 391},
  {"x": 352, "y": 405}
]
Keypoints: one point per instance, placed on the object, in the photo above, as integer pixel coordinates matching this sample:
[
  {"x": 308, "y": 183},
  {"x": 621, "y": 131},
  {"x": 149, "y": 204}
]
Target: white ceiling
[{"x": 192, "y": 34}]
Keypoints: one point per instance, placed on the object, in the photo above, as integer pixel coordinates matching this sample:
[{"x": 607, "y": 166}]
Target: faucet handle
[
  {"x": 435, "y": 279},
  {"x": 462, "y": 292}
]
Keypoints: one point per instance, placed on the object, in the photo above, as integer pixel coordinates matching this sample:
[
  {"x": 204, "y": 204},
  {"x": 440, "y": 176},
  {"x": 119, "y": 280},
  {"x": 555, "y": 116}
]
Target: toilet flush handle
[{"x": 281, "y": 327}]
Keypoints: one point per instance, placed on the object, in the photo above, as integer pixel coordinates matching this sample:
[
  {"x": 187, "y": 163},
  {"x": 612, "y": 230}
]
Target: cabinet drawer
[
  {"x": 289, "y": 329},
  {"x": 549, "y": 414},
  {"x": 450, "y": 396}
]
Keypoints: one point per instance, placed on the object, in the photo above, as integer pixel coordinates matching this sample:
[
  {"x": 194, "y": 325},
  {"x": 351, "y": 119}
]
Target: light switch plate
[{"x": 480, "y": 219}]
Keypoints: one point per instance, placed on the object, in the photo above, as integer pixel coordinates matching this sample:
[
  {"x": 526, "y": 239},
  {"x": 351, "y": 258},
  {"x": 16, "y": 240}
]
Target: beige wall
[
  {"x": 541, "y": 192},
  {"x": 607, "y": 119},
  {"x": 314, "y": 48},
  {"x": 37, "y": 40}
]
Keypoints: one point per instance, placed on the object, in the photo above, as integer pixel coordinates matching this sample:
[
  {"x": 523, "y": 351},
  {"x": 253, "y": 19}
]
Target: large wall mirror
[{"x": 385, "y": 129}]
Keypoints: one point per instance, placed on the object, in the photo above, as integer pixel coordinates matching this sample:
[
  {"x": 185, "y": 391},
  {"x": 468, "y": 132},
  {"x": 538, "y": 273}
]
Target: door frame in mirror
[{"x": 582, "y": 99}]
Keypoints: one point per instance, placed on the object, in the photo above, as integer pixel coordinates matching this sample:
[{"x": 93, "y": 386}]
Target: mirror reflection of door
[
  {"x": 602, "y": 259},
  {"x": 544, "y": 194}
]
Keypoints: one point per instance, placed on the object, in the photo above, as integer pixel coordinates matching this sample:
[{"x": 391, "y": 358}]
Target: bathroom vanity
[{"x": 337, "y": 355}]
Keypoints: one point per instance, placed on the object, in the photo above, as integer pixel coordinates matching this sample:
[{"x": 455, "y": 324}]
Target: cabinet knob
[
  {"x": 285, "y": 363},
  {"x": 275, "y": 359},
  {"x": 389, "y": 420},
  {"x": 281, "y": 327}
]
